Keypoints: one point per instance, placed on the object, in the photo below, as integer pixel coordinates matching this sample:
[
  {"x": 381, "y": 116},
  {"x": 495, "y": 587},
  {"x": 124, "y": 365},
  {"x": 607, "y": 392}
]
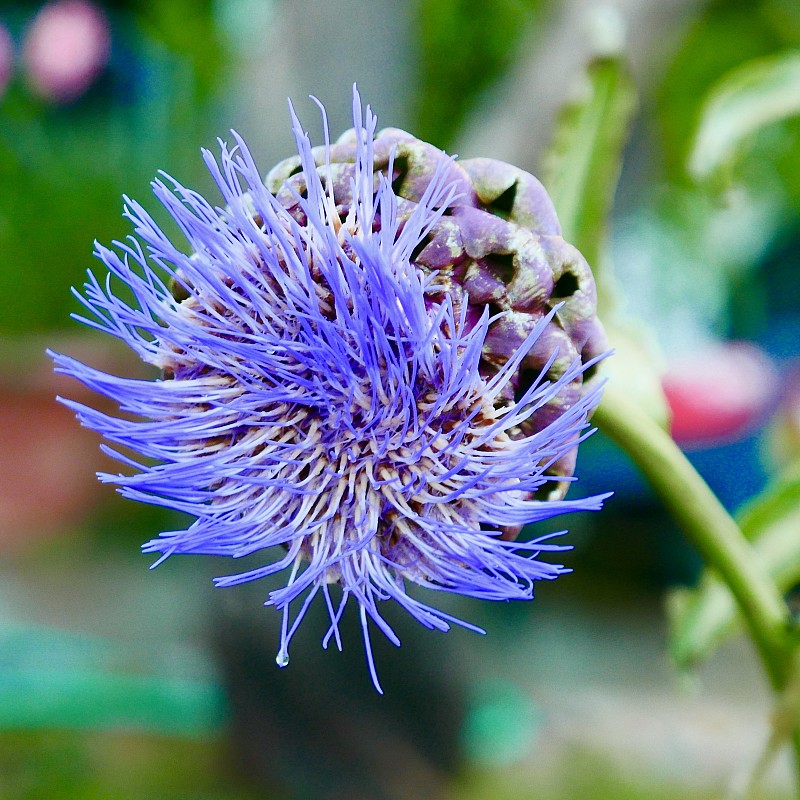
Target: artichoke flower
[{"x": 374, "y": 371}]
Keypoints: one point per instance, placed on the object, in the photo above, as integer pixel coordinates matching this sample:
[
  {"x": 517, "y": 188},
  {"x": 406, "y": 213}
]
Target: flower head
[{"x": 325, "y": 396}]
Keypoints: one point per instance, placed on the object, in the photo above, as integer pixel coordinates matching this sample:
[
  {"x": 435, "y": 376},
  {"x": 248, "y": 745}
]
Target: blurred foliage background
[{"x": 117, "y": 682}]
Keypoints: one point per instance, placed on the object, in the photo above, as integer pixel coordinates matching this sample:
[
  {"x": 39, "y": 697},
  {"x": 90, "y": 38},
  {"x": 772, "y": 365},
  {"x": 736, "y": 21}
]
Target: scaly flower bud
[{"x": 364, "y": 371}]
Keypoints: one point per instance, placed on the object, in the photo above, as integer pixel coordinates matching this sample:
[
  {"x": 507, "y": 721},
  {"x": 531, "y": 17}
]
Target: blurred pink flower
[
  {"x": 6, "y": 58},
  {"x": 65, "y": 49},
  {"x": 720, "y": 393}
]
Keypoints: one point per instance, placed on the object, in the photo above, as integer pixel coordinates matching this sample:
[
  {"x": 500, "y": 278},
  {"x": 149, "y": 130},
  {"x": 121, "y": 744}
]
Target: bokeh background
[{"x": 118, "y": 682}]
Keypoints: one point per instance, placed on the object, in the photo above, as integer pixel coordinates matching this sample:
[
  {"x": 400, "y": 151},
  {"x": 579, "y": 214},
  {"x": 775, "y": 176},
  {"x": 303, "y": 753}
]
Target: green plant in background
[
  {"x": 726, "y": 124},
  {"x": 723, "y": 179},
  {"x": 752, "y": 564},
  {"x": 464, "y": 46},
  {"x": 63, "y": 168}
]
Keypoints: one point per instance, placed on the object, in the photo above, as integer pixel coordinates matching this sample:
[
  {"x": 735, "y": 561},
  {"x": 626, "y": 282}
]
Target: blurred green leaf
[
  {"x": 581, "y": 172},
  {"x": 754, "y": 95},
  {"x": 464, "y": 45},
  {"x": 702, "y": 618},
  {"x": 66, "y": 169},
  {"x": 59, "y": 698},
  {"x": 189, "y": 30},
  {"x": 119, "y": 764},
  {"x": 57, "y": 679},
  {"x": 719, "y": 39},
  {"x": 583, "y": 164},
  {"x": 501, "y": 723}
]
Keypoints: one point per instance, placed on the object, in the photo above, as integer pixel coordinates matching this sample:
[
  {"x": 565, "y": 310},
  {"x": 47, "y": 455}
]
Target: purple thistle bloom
[{"x": 320, "y": 397}]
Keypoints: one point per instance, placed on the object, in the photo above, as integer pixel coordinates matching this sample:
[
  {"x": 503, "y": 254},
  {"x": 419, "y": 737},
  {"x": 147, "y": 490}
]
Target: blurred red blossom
[{"x": 720, "y": 393}]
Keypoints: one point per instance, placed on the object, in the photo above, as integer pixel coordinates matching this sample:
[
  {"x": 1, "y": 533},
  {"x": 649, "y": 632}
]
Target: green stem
[
  {"x": 718, "y": 538},
  {"x": 785, "y": 718},
  {"x": 707, "y": 524}
]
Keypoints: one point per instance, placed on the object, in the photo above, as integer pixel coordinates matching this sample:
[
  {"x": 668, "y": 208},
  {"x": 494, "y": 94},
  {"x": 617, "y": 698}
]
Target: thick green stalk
[
  {"x": 720, "y": 542},
  {"x": 707, "y": 524},
  {"x": 718, "y": 538},
  {"x": 785, "y": 718}
]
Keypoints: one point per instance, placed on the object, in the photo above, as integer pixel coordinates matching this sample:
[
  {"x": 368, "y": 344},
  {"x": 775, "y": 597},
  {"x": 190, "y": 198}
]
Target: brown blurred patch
[{"x": 47, "y": 460}]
